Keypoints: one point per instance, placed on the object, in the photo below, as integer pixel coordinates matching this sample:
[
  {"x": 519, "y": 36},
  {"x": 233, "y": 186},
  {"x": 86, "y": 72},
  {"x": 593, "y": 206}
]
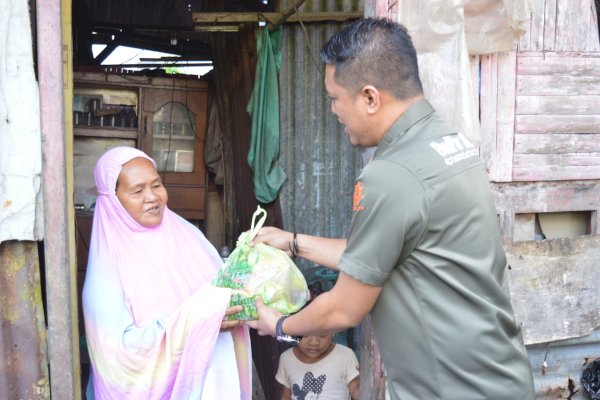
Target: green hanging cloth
[{"x": 268, "y": 176}]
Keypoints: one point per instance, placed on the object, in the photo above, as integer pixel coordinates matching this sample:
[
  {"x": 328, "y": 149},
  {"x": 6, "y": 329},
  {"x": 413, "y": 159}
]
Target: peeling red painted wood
[
  {"x": 551, "y": 124},
  {"x": 589, "y": 160},
  {"x": 549, "y": 85},
  {"x": 558, "y": 64},
  {"x": 561, "y": 105},
  {"x": 549, "y": 25},
  {"x": 63, "y": 340},
  {"x": 505, "y": 124},
  {"x": 537, "y": 26},
  {"x": 556, "y": 167},
  {"x": 561, "y": 25},
  {"x": 474, "y": 68},
  {"x": 555, "y": 173},
  {"x": 372, "y": 376},
  {"x": 532, "y": 197},
  {"x": 556, "y": 143},
  {"x": 575, "y": 28},
  {"x": 487, "y": 111}
]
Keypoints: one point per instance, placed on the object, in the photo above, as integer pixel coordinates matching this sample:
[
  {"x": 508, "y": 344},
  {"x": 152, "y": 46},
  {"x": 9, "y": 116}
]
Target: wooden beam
[
  {"x": 291, "y": 11},
  {"x": 175, "y": 58},
  {"x": 272, "y": 17},
  {"x": 63, "y": 338},
  {"x": 217, "y": 28},
  {"x": 116, "y": 42}
]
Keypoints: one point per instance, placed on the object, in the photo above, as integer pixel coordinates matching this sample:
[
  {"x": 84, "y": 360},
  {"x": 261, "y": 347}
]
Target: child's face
[{"x": 315, "y": 347}]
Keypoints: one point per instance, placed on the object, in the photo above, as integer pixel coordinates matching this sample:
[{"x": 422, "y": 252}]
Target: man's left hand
[{"x": 267, "y": 319}]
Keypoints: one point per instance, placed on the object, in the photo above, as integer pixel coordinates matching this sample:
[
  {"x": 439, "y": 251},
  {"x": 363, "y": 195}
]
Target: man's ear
[{"x": 372, "y": 98}]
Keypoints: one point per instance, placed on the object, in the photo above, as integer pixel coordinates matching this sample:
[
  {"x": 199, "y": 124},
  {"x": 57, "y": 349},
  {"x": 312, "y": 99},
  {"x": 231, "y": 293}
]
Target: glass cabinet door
[
  {"x": 173, "y": 141},
  {"x": 173, "y": 132}
]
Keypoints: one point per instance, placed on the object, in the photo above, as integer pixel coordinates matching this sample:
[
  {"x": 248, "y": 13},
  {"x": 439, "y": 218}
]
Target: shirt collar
[{"x": 411, "y": 116}]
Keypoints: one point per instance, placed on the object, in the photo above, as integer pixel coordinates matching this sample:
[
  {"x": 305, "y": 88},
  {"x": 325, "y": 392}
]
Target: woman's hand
[{"x": 227, "y": 324}]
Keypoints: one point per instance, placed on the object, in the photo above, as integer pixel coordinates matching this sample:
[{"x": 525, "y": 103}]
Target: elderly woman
[{"x": 154, "y": 324}]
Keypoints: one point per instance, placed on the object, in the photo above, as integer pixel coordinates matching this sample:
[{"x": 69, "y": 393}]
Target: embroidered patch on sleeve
[{"x": 358, "y": 196}]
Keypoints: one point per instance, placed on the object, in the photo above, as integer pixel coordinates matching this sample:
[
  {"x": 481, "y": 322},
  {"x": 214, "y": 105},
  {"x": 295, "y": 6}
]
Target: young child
[{"x": 318, "y": 369}]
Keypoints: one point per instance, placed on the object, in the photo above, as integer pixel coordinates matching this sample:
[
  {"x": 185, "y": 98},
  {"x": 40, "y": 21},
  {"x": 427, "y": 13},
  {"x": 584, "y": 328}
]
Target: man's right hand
[{"x": 274, "y": 237}]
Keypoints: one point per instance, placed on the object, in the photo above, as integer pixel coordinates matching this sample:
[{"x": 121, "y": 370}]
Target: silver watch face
[{"x": 288, "y": 339}]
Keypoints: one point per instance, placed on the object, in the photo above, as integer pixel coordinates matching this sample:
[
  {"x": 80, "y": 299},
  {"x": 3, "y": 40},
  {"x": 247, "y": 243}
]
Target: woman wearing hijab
[{"x": 154, "y": 324}]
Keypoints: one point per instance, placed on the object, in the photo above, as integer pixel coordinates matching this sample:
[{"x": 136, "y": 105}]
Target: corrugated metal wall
[{"x": 320, "y": 163}]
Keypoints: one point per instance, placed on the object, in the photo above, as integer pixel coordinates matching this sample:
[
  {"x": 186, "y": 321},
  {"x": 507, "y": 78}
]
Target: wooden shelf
[
  {"x": 174, "y": 137},
  {"x": 106, "y": 132}
]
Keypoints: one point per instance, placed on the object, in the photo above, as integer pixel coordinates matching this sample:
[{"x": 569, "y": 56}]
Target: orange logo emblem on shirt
[{"x": 358, "y": 196}]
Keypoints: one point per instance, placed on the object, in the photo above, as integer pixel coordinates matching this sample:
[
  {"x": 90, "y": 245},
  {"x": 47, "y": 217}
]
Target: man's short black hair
[{"x": 374, "y": 51}]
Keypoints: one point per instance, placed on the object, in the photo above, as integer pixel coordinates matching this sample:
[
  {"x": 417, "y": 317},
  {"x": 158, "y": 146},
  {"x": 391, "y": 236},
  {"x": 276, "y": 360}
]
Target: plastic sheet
[
  {"x": 21, "y": 210},
  {"x": 445, "y": 33},
  {"x": 494, "y": 25},
  {"x": 262, "y": 271}
]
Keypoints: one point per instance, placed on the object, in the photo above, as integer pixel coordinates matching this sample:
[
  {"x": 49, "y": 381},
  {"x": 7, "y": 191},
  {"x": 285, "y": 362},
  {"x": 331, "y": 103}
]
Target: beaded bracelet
[{"x": 294, "y": 245}]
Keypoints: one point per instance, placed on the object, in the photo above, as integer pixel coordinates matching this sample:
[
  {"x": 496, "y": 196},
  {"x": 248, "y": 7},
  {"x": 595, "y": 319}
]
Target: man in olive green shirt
[{"x": 423, "y": 254}]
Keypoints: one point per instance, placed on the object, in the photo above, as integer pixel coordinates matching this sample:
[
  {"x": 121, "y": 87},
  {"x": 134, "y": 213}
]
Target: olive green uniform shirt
[{"x": 425, "y": 229}]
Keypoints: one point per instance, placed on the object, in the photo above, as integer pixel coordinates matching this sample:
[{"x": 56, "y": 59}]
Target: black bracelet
[
  {"x": 282, "y": 337},
  {"x": 279, "y": 325},
  {"x": 294, "y": 245}
]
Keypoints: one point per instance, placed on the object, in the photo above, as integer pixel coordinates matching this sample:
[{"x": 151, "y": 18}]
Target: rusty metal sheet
[
  {"x": 554, "y": 287},
  {"x": 24, "y": 362},
  {"x": 566, "y": 360}
]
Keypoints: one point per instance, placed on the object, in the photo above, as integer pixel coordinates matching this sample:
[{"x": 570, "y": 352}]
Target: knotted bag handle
[{"x": 254, "y": 229}]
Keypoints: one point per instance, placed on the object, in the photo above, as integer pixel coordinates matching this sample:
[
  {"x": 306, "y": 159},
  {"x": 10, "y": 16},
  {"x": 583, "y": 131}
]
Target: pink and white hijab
[{"x": 152, "y": 318}]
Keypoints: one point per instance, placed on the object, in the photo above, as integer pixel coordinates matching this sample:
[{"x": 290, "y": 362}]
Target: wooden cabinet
[
  {"x": 169, "y": 124},
  {"x": 173, "y": 127}
]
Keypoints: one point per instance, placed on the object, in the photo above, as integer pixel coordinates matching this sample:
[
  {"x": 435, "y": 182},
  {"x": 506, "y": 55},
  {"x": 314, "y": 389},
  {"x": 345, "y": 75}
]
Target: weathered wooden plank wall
[
  {"x": 557, "y": 130},
  {"x": 540, "y": 105},
  {"x": 497, "y": 99},
  {"x": 553, "y": 165},
  {"x": 562, "y": 26}
]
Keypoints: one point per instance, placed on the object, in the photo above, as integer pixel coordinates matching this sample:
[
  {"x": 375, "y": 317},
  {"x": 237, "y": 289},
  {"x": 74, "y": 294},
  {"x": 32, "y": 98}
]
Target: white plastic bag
[{"x": 262, "y": 271}]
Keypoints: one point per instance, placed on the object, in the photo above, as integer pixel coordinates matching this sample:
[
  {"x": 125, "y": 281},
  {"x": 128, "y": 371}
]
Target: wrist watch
[{"x": 282, "y": 337}]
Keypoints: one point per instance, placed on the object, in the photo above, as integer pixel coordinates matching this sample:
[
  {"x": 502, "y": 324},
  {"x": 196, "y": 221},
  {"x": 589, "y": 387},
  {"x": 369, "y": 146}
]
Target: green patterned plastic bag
[{"x": 262, "y": 271}]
